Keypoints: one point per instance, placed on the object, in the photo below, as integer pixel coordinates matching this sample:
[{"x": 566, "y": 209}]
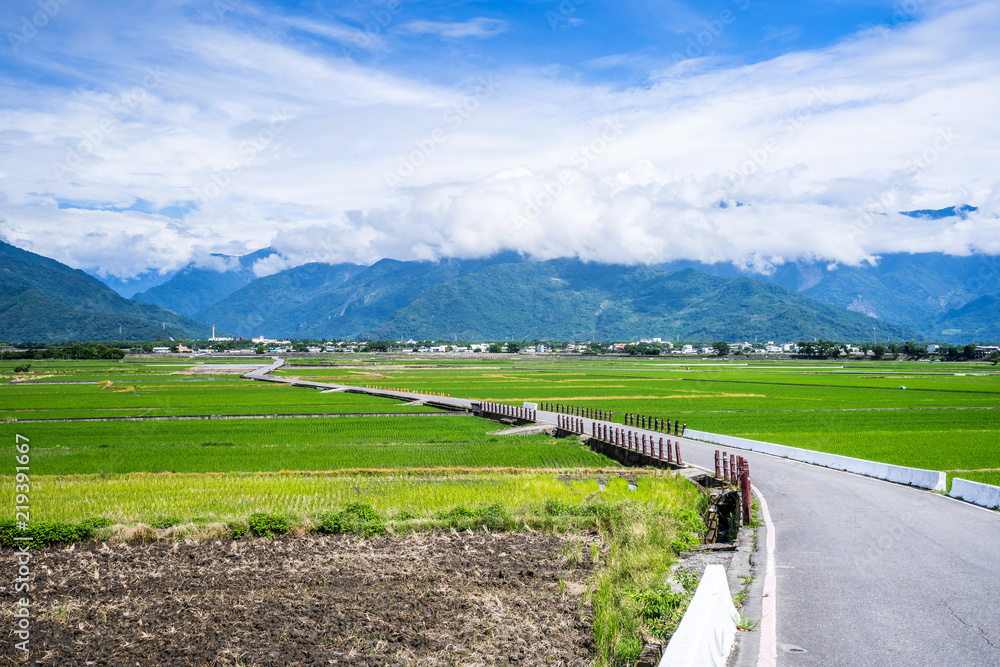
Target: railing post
[
  {"x": 718, "y": 470},
  {"x": 678, "y": 446}
]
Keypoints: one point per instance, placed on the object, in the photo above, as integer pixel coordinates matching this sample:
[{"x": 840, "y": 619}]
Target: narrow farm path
[{"x": 868, "y": 573}]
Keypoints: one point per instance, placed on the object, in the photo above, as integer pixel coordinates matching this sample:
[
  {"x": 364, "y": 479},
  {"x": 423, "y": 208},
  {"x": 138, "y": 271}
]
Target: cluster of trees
[
  {"x": 642, "y": 350},
  {"x": 72, "y": 351}
]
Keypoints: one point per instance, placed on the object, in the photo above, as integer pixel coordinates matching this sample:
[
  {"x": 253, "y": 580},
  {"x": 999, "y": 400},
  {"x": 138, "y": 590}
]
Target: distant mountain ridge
[
  {"x": 922, "y": 294},
  {"x": 567, "y": 298},
  {"x": 42, "y": 300},
  {"x": 195, "y": 287},
  {"x": 508, "y": 296},
  {"x": 335, "y": 300},
  {"x": 918, "y": 291},
  {"x": 926, "y": 296}
]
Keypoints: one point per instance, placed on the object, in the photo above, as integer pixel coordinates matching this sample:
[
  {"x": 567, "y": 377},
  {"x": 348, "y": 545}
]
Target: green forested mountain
[
  {"x": 929, "y": 297},
  {"x": 195, "y": 288},
  {"x": 261, "y": 305},
  {"x": 567, "y": 298},
  {"x": 915, "y": 290},
  {"x": 978, "y": 320},
  {"x": 43, "y": 300},
  {"x": 334, "y": 301}
]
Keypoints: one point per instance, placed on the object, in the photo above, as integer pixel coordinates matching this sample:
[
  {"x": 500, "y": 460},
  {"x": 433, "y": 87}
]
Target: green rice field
[
  {"x": 946, "y": 418},
  {"x": 259, "y": 445},
  {"x": 319, "y": 463}
]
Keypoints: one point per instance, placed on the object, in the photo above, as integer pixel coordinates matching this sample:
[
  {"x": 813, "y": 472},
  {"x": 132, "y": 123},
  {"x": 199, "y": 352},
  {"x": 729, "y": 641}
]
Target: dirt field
[{"x": 430, "y": 599}]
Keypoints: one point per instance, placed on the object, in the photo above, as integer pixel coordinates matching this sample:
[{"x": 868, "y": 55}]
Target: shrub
[
  {"x": 690, "y": 528},
  {"x": 494, "y": 517},
  {"x": 238, "y": 528},
  {"x": 267, "y": 525},
  {"x": 44, "y": 533},
  {"x": 358, "y": 518}
]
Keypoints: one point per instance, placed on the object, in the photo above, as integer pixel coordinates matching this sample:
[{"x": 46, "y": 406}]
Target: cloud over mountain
[{"x": 232, "y": 132}]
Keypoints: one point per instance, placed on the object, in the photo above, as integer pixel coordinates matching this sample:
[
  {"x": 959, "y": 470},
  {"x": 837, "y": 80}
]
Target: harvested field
[{"x": 421, "y": 599}]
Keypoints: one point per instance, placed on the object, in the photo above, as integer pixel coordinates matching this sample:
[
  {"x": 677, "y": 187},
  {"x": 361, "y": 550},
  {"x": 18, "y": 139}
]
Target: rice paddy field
[
  {"x": 153, "y": 449},
  {"x": 941, "y": 416}
]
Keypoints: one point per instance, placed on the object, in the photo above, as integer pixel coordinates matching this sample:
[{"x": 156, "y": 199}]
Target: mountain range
[
  {"x": 928, "y": 296},
  {"x": 42, "y": 300}
]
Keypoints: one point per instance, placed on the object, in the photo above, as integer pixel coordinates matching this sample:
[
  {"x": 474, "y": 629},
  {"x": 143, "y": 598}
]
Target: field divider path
[
  {"x": 431, "y": 400},
  {"x": 304, "y": 415}
]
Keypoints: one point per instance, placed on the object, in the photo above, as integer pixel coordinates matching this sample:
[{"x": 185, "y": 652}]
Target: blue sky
[{"x": 143, "y": 136}]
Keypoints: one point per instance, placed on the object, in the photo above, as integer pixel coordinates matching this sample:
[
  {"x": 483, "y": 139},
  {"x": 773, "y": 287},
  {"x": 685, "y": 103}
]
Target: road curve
[{"x": 870, "y": 573}]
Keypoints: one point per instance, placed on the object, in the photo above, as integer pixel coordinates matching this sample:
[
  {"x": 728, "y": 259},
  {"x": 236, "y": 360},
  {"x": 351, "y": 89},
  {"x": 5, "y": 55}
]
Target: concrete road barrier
[
  {"x": 925, "y": 479},
  {"x": 706, "y": 634},
  {"x": 986, "y": 495}
]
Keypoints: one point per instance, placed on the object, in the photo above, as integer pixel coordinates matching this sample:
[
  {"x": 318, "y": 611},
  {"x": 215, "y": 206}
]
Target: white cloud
[
  {"x": 267, "y": 143},
  {"x": 477, "y": 27}
]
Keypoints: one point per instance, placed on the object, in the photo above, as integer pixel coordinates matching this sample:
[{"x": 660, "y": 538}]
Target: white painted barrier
[
  {"x": 986, "y": 495},
  {"x": 706, "y": 634},
  {"x": 925, "y": 479}
]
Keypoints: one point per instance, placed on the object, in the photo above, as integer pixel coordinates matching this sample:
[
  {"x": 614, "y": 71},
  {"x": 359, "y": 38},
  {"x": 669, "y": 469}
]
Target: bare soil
[{"x": 422, "y": 599}]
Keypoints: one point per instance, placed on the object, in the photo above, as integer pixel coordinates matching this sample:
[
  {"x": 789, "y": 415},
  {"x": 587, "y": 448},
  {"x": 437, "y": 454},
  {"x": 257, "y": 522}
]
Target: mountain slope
[
  {"x": 195, "y": 288},
  {"x": 43, "y": 300},
  {"x": 252, "y": 309},
  {"x": 333, "y": 301},
  {"x": 914, "y": 290},
  {"x": 373, "y": 296},
  {"x": 565, "y": 298},
  {"x": 977, "y": 321}
]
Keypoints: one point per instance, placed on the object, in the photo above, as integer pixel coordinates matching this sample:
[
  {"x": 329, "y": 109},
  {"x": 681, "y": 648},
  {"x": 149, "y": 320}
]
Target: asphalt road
[
  {"x": 870, "y": 573},
  {"x": 874, "y": 573}
]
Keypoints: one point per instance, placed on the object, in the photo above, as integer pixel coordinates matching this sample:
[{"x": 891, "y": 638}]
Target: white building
[{"x": 216, "y": 339}]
